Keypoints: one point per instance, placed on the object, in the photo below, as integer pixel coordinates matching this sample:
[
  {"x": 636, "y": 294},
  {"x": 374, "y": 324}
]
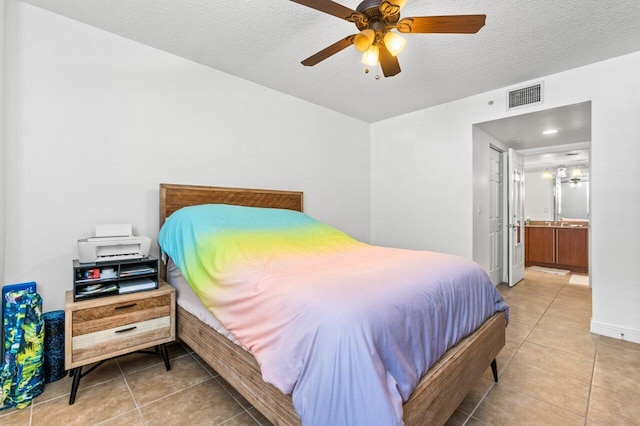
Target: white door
[
  {"x": 496, "y": 222},
  {"x": 516, "y": 217}
]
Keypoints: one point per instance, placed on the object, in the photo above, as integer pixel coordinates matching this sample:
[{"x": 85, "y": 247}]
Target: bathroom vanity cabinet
[{"x": 562, "y": 247}]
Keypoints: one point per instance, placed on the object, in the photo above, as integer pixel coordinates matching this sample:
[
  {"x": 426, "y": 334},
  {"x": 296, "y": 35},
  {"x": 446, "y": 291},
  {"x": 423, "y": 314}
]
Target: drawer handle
[
  {"x": 126, "y": 329},
  {"x": 131, "y": 305}
]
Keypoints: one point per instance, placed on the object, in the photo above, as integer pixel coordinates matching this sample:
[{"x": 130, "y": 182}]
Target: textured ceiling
[
  {"x": 264, "y": 42},
  {"x": 524, "y": 132},
  {"x": 570, "y": 146}
]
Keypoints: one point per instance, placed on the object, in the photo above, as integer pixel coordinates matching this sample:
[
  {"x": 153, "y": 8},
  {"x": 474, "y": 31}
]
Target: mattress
[{"x": 188, "y": 301}]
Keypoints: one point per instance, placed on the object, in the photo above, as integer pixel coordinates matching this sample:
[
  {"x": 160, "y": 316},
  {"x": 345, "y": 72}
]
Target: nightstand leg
[
  {"x": 77, "y": 375},
  {"x": 165, "y": 356}
]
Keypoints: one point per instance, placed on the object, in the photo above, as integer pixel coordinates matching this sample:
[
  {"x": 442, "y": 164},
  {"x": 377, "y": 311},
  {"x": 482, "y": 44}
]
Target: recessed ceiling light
[{"x": 550, "y": 132}]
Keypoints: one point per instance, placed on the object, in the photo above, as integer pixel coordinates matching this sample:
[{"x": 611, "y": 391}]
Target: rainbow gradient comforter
[{"x": 345, "y": 327}]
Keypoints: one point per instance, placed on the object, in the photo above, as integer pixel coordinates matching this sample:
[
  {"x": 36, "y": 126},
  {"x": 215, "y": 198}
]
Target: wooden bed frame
[{"x": 436, "y": 396}]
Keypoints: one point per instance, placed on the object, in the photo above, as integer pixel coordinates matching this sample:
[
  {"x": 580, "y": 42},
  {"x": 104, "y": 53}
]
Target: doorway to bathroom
[{"x": 555, "y": 148}]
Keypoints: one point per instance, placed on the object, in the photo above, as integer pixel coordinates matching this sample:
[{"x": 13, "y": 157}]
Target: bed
[{"x": 438, "y": 392}]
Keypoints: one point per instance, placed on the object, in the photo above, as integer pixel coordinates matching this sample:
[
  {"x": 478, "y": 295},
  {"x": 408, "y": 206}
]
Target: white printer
[{"x": 113, "y": 242}]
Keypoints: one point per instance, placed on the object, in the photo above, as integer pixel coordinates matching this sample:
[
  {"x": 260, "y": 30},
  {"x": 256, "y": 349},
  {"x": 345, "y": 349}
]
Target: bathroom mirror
[
  {"x": 572, "y": 198},
  {"x": 557, "y": 184}
]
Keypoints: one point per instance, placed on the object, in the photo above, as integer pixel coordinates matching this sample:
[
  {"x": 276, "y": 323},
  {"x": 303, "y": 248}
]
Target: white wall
[
  {"x": 615, "y": 211},
  {"x": 422, "y": 181},
  {"x": 538, "y": 204},
  {"x": 3, "y": 26},
  {"x": 421, "y": 175},
  {"x": 96, "y": 122}
]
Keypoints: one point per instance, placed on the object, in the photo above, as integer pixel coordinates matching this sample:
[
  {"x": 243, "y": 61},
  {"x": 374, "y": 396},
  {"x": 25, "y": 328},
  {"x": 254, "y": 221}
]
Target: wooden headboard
[{"x": 174, "y": 197}]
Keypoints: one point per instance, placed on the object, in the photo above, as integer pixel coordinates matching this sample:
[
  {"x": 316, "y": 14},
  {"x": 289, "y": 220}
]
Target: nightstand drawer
[
  {"x": 104, "y": 342},
  {"x": 111, "y": 316},
  {"x": 107, "y": 327}
]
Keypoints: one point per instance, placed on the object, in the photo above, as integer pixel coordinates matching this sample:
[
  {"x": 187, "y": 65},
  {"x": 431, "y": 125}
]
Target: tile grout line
[
  {"x": 152, "y": 365},
  {"x": 593, "y": 373},
  {"x": 244, "y": 409},
  {"x": 176, "y": 392},
  {"x": 66, "y": 395},
  {"x": 217, "y": 379},
  {"x": 204, "y": 366},
  {"x": 116, "y": 416},
  {"x": 546, "y": 403},
  {"x": 138, "y": 407},
  {"x": 252, "y": 416},
  {"x": 506, "y": 364},
  {"x": 509, "y": 361},
  {"x": 233, "y": 417},
  {"x": 536, "y": 324},
  {"x": 126, "y": 383},
  {"x": 105, "y": 381}
]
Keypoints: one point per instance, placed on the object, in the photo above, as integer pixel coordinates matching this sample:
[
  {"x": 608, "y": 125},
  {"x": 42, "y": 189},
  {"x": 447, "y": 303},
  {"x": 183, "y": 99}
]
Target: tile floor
[{"x": 552, "y": 371}]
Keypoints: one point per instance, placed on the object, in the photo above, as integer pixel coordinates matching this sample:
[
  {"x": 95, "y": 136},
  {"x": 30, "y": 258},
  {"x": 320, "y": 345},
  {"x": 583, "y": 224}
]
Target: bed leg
[{"x": 494, "y": 369}]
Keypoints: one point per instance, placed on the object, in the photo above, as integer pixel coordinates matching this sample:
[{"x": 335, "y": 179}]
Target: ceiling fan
[{"x": 375, "y": 19}]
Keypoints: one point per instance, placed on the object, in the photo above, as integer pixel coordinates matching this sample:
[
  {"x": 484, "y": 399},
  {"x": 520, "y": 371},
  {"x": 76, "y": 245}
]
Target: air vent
[{"x": 524, "y": 96}]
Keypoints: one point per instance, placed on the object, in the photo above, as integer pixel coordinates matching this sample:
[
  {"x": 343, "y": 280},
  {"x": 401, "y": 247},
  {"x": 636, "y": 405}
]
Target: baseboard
[{"x": 615, "y": 332}]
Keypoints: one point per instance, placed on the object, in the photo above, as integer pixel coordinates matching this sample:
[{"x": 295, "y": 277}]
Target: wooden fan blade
[
  {"x": 460, "y": 24},
  {"x": 334, "y": 9},
  {"x": 389, "y": 63},
  {"x": 329, "y": 51}
]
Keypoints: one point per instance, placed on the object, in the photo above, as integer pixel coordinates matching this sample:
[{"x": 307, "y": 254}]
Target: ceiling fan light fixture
[
  {"x": 364, "y": 40},
  {"x": 394, "y": 43},
  {"x": 370, "y": 57}
]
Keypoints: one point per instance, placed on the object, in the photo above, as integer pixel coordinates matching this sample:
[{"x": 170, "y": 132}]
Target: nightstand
[{"x": 107, "y": 327}]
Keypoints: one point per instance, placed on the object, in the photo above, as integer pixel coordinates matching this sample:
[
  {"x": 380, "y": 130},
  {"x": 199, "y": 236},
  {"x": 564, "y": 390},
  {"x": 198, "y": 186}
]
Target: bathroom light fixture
[
  {"x": 550, "y": 132},
  {"x": 547, "y": 174},
  {"x": 577, "y": 172},
  {"x": 562, "y": 172}
]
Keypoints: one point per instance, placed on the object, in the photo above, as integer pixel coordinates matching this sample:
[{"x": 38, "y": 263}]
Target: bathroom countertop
[{"x": 557, "y": 224}]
